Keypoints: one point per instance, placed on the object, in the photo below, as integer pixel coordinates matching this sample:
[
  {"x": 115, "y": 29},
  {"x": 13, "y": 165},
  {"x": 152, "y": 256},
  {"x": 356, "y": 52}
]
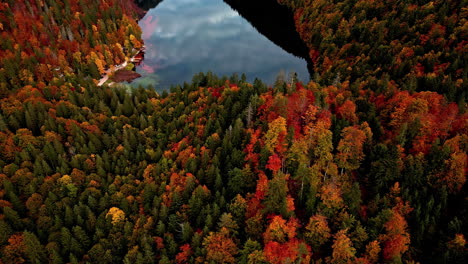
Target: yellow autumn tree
[
  {"x": 136, "y": 44},
  {"x": 100, "y": 65},
  {"x": 117, "y": 215},
  {"x": 65, "y": 179},
  {"x": 275, "y": 128}
]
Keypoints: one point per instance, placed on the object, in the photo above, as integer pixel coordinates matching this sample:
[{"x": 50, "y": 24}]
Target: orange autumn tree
[
  {"x": 396, "y": 240},
  {"x": 350, "y": 147},
  {"x": 317, "y": 231},
  {"x": 318, "y": 133},
  {"x": 458, "y": 243},
  {"x": 24, "y": 248},
  {"x": 15, "y": 250},
  {"x": 8, "y": 148},
  {"x": 372, "y": 251},
  {"x": 281, "y": 244},
  {"x": 280, "y": 230},
  {"x": 220, "y": 248},
  {"x": 343, "y": 250},
  {"x": 331, "y": 194},
  {"x": 454, "y": 176}
]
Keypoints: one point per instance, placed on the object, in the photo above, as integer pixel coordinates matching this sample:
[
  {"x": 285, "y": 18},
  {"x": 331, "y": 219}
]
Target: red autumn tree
[
  {"x": 347, "y": 111},
  {"x": 184, "y": 254},
  {"x": 281, "y": 244},
  {"x": 274, "y": 163},
  {"x": 396, "y": 240},
  {"x": 293, "y": 251}
]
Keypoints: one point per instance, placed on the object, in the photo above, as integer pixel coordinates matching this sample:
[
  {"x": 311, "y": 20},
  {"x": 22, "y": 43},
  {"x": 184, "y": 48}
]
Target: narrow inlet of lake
[{"x": 185, "y": 37}]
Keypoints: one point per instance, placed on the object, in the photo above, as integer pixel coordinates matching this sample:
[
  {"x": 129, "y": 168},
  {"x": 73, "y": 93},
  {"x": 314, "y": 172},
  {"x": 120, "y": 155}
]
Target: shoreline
[{"x": 116, "y": 68}]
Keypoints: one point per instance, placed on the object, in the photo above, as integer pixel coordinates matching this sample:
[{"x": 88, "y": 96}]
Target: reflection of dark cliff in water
[
  {"x": 274, "y": 21},
  {"x": 147, "y": 4}
]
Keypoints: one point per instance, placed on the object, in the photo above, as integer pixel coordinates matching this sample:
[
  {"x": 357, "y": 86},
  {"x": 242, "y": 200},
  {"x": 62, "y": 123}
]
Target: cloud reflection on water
[{"x": 184, "y": 37}]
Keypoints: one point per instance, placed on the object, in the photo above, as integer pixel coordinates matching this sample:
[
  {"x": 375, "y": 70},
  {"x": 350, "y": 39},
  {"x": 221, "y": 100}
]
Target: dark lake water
[{"x": 185, "y": 37}]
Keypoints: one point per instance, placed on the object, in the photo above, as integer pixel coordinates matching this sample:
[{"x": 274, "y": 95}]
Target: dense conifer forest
[{"x": 366, "y": 163}]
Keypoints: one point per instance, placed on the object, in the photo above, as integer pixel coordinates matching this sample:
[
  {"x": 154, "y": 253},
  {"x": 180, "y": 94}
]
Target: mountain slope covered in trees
[
  {"x": 102, "y": 175},
  {"x": 59, "y": 42},
  {"x": 416, "y": 45}
]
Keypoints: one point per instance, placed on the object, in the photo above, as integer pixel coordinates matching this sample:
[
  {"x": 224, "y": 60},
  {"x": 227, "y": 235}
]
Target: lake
[{"x": 185, "y": 37}]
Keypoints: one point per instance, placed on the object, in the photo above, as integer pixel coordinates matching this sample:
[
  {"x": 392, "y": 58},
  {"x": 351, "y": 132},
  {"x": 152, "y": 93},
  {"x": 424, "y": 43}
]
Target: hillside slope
[{"x": 415, "y": 45}]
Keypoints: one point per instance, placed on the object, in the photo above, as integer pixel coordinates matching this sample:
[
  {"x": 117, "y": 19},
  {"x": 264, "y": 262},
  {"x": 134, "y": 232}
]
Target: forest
[
  {"x": 366, "y": 163},
  {"x": 416, "y": 44}
]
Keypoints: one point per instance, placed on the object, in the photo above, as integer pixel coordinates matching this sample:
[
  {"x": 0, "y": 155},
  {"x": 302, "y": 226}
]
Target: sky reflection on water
[{"x": 185, "y": 37}]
